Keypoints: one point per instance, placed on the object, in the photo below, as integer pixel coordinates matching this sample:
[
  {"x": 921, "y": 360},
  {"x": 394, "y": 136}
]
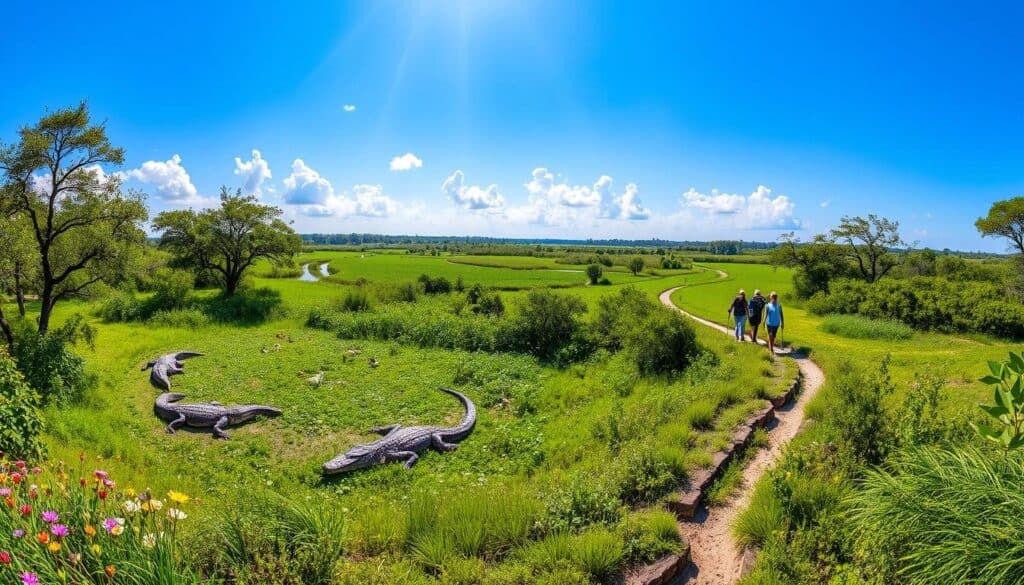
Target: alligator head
[{"x": 357, "y": 457}]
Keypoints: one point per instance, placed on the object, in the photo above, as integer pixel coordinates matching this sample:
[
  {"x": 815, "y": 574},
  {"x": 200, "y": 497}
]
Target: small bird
[
  {"x": 277, "y": 347},
  {"x": 264, "y": 349},
  {"x": 373, "y": 362},
  {"x": 353, "y": 352},
  {"x": 316, "y": 379}
]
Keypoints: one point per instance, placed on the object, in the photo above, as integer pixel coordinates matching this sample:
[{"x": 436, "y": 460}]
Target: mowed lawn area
[{"x": 591, "y": 448}]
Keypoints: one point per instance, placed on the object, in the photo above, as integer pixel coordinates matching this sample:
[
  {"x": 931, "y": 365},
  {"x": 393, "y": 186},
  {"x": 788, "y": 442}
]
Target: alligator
[
  {"x": 405, "y": 443},
  {"x": 206, "y": 414},
  {"x": 166, "y": 366}
]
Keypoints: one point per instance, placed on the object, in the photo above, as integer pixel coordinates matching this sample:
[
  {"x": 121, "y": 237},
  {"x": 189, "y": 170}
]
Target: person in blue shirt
[{"x": 773, "y": 319}]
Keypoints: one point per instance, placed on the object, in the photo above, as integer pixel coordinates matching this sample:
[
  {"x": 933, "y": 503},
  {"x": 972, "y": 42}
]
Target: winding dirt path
[{"x": 715, "y": 559}]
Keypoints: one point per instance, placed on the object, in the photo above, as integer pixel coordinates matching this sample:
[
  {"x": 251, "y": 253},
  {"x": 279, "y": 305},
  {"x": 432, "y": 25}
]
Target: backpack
[{"x": 756, "y": 307}]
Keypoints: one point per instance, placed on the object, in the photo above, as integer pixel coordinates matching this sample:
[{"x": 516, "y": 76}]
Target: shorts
[
  {"x": 772, "y": 329},
  {"x": 754, "y": 322}
]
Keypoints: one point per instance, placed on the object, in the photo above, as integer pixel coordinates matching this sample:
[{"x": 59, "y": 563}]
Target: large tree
[
  {"x": 1005, "y": 219},
  {"x": 83, "y": 229},
  {"x": 227, "y": 240},
  {"x": 869, "y": 243}
]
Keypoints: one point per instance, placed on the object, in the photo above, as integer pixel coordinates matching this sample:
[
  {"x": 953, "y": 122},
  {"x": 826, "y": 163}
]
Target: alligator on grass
[
  {"x": 166, "y": 366},
  {"x": 405, "y": 443},
  {"x": 206, "y": 414}
]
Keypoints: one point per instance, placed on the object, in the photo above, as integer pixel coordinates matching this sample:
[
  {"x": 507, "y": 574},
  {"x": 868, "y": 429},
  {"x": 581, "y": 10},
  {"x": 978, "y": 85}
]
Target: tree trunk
[
  {"x": 45, "y": 308},
  {"x": 230, "y": 284},
  {"x": 5, "y": 327},
  {"x": 19, "y": 292}
]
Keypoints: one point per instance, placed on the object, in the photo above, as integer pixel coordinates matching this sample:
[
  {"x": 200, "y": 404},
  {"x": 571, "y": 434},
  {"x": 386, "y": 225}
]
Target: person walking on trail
[
  {"x": 773, "y": 319},
  {"x": 738, "y": 310},
  {"x": 755, "y": 313}
]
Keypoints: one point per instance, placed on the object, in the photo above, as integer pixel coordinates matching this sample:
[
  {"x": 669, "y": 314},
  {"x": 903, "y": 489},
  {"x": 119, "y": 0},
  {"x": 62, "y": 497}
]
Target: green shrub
[
  {"x": 490, "y": 304},
  {"x": 649, "y": 535},
  {"x": 599, "y": 551},
  {"x": 120, "y": 307},
  {"x": 245, "y": 306},
  {"x": 763, "y": 517},
  {"x": 662, "y": 343},
  {"x": 172, "y": 289},
  {"x": 643, "y": 473},
  {"x": 944, "y": 516},
  {"x": 545, "y": 323},
  {"x": 857, "y": 411},
  {"x": 435, "y": 285},
  {"x": 594, "y": 273},
  {"x": 355, "y": 300},
  {"x": 858, "y": 327},
  {"x": 20, "y": 418},
  {"x": 700, "y": 414},
  {"x": 49, "y": 365},
  {"x": 581, "y": 501},
  {"x": 182, "y": 318}
]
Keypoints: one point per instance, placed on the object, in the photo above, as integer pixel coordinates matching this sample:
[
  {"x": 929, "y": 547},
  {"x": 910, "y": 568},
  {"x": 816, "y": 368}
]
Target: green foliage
[
  {"x": 636, "y": 265},
  {"x": 20, "y": 419},
  {"x": 649, "y": 535},
  {"x": 227, "y": 240},
  {"x": 943, "y": 516},
  {"x": 172, "y": 289},
  {"x": 435, "y": 285},
  {"x": 594, "y": 273},
  {"x": 860, "y": 327},
  {"x": 578, "y": 502},
  {"x": 662, "y": 343},
  {"x": 275, "y": 540},
  {"x": 1005, "y": 219},
  {"x": 928, "y": 303},
  {"x": 858, "y": 415},
  {"x": 546, "y": 323},
  {"x": 1007, "y": 410},
  {"x": 762, "y": 518},
  {"x": 355, "y": 300},
  {"x": 86, "y": 231},
  {"x": 246, "y": 307},
  {"x": 49, "y": 365},
  {"x": 599, "y": 552}
]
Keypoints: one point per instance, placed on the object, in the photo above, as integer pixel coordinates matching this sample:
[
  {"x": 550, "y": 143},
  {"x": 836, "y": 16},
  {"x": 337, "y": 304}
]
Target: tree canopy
[
  {"x": 869, "y": 242},
  {"x": 82, "y": 229},
  {"x": 1005, "y": 219},
  {"x": 227, "y": 240}
]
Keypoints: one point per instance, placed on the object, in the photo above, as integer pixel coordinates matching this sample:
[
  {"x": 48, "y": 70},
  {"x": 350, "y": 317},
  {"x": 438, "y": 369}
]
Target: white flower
[
  {"x": 149, "y": 540},
  {"x": 176, "y": 514},
  {"x": 132, "y": 506}
]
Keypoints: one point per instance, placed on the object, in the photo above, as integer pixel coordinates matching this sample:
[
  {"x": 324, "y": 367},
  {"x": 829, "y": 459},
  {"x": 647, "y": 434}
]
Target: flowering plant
[{"x": 58, "y": 526}]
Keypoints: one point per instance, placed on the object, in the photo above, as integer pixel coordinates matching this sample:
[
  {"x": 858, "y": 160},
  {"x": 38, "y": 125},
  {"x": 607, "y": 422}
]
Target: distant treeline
[{"x": 480, "y": 245}]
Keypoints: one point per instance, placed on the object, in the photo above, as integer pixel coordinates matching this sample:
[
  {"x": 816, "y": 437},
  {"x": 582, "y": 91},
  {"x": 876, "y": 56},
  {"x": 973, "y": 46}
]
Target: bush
[
  {"x": 245, "y": 306},
  {"x": 599, "y": 552},
  {"x": 942, "y": 516},
  {"x": 636, "y": 265},
  {"x": 490, "y": 304},
  {"x": 594, "y": 273},
  {"x": 662, "y": 343},
  {"x": 49, "y": 365},
  {"x": 356, "y": 299},
  {"x": 120, "y": 307},
  {"x": 649, "y": 535},
  {"x": 20, "y": 418},
  {"x": 927, "y": 303},
  {"x": 858, "y": 327},
  {"x": 545, "y": 323},
  {"x": 172, "y": 289},
  {"x": 435, "y": 286},
  {"x": 578, "y": 503},
  {"x": 857, "y": 412},
  {"x": 181, "y": 318}
]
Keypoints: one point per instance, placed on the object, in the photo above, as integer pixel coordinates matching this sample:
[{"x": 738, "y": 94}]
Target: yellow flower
[
  {"x": 117, "y": 529},
  {"x": 96, "y": 549},
  {"x": 129, "y": 492},
  {"x": 90, "y": 531},
  {"x": 177, "y": 497},
  {"x": 152, "y": 506},
  {"x": 54, "y": 547}
]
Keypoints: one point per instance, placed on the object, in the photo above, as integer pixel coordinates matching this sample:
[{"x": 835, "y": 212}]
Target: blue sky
[{"x": 558, "y": 119}]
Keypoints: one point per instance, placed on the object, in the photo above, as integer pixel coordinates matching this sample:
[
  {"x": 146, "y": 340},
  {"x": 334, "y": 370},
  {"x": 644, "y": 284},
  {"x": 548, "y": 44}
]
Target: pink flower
[
  {"x": 50, "y": 516},
  {"x": 5, "y": 557},
  {"x": 100, "y": 474},
  {"x": 29, "y": 579},
  {"x": 18, "y": 533},
  {"x": 59, "y": 530}
]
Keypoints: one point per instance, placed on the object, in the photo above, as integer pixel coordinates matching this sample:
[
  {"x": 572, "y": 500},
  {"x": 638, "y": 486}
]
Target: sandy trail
[{"x": 715, "y": 558}]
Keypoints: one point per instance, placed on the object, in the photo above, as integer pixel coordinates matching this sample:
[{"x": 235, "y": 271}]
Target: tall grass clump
[
  {"x": 858, "y": 327},
  {"x": 945, "y": 516}
]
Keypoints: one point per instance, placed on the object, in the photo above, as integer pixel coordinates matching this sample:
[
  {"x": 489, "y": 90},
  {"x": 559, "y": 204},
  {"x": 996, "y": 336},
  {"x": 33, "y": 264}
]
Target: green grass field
[{"x": 592, "y": 426}]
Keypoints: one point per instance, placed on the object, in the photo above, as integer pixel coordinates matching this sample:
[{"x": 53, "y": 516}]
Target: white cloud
[
  {"x": 170, "y": 178},
  {"x": 348, "y": 108},
  {"x": 471, "y": 196},
  {"x": 253, "y": 171},
  {"x": 627, "y": 205},
  {"x": 543, "y": 185},
  {"x": 759, "y": 210},
  {"x": 825, "y": 203},
  {"x": 406, "y": 162},
  {"x": 315, "y": 196}
]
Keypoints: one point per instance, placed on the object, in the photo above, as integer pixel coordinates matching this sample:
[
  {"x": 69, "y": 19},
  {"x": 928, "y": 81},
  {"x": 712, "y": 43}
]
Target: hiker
[
  {"x": 738, "y": 310},
  {"x": 755, "y": 312},
  {"x": 773, "y": 319}
]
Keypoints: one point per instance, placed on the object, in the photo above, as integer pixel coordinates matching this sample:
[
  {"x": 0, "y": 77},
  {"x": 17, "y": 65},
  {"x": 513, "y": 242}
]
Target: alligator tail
[
  {"x": 257, "y": 410},
  {"x": 465, "y": 426},
  {"x": 182, "y": 355},
  {"x": 168, "y": 397}
]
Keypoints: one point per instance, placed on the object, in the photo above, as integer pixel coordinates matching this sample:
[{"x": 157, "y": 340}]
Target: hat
[
  {"x": 742, "y": 292},
  {"x": 757, "y": 291}
]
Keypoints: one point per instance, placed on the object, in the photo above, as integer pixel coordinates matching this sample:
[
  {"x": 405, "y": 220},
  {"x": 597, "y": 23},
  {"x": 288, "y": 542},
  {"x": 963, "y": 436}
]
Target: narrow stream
[
  {"x": 307, "y": 276},
  {"x": 323, "y": 270}
]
